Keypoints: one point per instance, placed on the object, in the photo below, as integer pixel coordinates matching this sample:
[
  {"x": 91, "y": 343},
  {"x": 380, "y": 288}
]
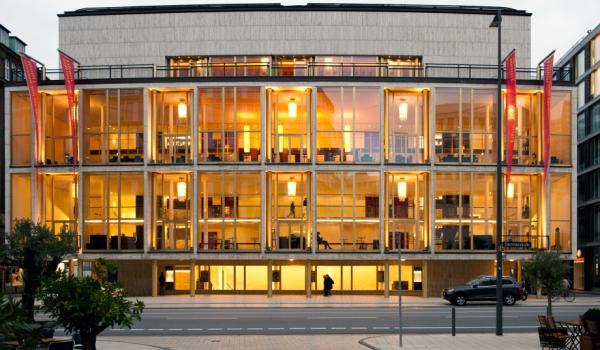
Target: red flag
[
  {"x": 31, "y": 76},
  {"x": 548, "y": 70},
  {"x": 511, "y": 110},
  {"x": 68, "y": 67}
]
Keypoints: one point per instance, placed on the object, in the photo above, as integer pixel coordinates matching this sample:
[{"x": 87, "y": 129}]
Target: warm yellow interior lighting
[
  {"x": 73, "y": 190},
  {"x": 510, "y": 190},
  {"x": 280, "y": 133},
  {"x": 347, "y": 138},
  {"x": 291, "y": 187},
  {"x": 292, "y": 108},
  {"x": 181, "y": 189},
  {"x": 182, "y": 109},
  {"x": 246, "y": 138},
  {"x": 402, "y": 189},
  {"x": 403, "y": 111}
]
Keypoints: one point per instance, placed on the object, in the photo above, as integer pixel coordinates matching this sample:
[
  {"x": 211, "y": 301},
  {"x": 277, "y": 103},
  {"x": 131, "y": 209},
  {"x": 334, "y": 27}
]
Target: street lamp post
[{"x": 497, "y": 23}]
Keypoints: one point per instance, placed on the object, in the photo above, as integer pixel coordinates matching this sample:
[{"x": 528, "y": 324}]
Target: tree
[
  {"x": 14, "y": 326},
  {"x": 546, "y": 271},
  {"x": 88, "y": 306},
  {"x": 38, "y": 251}
]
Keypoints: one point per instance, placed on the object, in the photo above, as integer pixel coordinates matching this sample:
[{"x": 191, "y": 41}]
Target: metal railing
[{"x": 311, "y": 69}]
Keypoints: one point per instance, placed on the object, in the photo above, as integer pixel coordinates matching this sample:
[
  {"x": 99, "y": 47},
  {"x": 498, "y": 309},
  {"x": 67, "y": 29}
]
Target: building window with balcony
[
  {"x": 292, "y": 65},
  {"x": 171, "y": 126},
  {"x": 58, "y": 140},
  {"x": 560, "y": 128},
  {"x": 407, "y": 115},
  {"x": 560, "y": 212},
  {"x": 60, "y": 201},
  {"x": 239, "y": 66},
  {"x": 464, "y": 211},
  {"x": 289, "y": 211},
  {"x": 288, "y": 115},
  {"x": 21, "y": 141},
  {"x": 522, "y": 213},
  {"x": 20, "y": 197},
  {"x": 229, "y": 211},
  {"x": 465, "y": 125},
  {"x": 348, "y": 125},
  {"x": 188, "y": 67},
  {"x": 348, "y": 211},
  {"x": 172, "y": 226},
  {"x": 406, "y": 213},
  {"x": 229, "y": 125},
  {"x": 346, "y": 66},
  {"x": 113, "y": 208},
  {"x": 402, "y": 66},
  {"x": 113, "y": 126}
]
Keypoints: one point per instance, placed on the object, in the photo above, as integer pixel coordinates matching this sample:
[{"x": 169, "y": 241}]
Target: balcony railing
[{"x": 311, "y": 69}]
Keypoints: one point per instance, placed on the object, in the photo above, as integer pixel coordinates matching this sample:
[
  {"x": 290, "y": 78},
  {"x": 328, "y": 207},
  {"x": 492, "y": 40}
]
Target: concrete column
[
  {"x": 79, "y": 268},
  {"x": 270, "y": 279},
  {"x": 154, "y": 278},
  {"x": 386, "y": 279},
  {"x": 192, "y": 279},
  {"x": 147, "y": 212},
  {"x": 194, "y": 201},
  {"x": 263, "y": 212},
  {"x": 308, "y": 282}
]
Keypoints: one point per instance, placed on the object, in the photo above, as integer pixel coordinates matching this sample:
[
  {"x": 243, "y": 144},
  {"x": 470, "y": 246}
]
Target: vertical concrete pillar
[
  {"x": 80, "y": 268},
  {"x": 386, "y": 279},
  {"x": 308, "y": 283},
  {"x": 193, "y": 279},
  {"x": 154, "y": 278},
  {"x": 270, "y": 279}
]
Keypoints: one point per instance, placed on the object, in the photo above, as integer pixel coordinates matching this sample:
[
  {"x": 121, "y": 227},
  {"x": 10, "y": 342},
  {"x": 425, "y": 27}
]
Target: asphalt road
[{"x": 473, "y": 318}]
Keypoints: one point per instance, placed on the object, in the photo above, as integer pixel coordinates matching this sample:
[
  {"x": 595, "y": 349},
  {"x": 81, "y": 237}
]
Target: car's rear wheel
[
  {"x": 509, "y": 299},
  {"x": 460, "y": 300}
]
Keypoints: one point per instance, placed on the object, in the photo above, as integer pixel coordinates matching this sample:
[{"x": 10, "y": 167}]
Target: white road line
[
  {"x": 156, "y": 329},
  {"x": 381, "y": 327},
  {"x": 137, "y": 329},
  {"x": 296, "y": 328},
  {"x": 338, "y": 328},
  {"x": 201, "y": 318},
  {"x": 318, "y": 328},
  {"x": 254, "y": 329},
  {"x": 336, "y": 317},
  {"x": 275, "y": 329},
  {"x": 214, "y": 329},
  {"x": 358, "y": 328},
  {"x": 175, "y": 329},
  {"x": 194, "y": 329},
  {"x": 234, "y": 329}
]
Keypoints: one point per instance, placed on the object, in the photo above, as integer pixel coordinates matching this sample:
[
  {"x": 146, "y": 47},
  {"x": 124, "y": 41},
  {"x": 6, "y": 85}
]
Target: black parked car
[{"x": 484, "y": 288}]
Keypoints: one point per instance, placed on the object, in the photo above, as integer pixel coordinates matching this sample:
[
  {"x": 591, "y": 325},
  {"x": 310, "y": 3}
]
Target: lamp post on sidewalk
[{"x": 497, "y": 23}]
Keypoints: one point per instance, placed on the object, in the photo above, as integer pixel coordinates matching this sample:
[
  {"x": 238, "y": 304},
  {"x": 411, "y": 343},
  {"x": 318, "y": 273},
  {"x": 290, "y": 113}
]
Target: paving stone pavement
[{"x": 516, "y": 341}]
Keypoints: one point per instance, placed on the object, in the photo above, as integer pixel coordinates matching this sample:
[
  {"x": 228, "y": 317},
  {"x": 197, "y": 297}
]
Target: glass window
[
  {"x": 522, "y": 213},
  {"x": 229, "y": 125},
  {"x": 171, "y": 123},
  {"x": 58, "y": 144},
  {"x": 348, "y": 211},
  {"x": 595, "y": 83},
  {"x": 595, "y": 50},
  {"x": 407, "y": 116},
  {"x": 411, "y": 277},
  {"x": 406, "y": 214},
  {"x": 289, "y": 196},
  {"x": 465, "y": 125},
  {"x": 292, "y": 65},
  {"x": 527, "y": 125},
  {"x": 580, "y": 63},
  {"x": 172, "y": 213},
  {"x": 402, "y": 66},
  {"x": 348, "y": 125},
  {"x": 113, "y": 208},
  {"x": 289, "y": 117},
  {"x": 560, "y": 212},
  {"x": 289, "y": 277},
  {"x": 229, "y": 211},
  {"x": 60, "y": 201},
  {"x": 581, "y": 94},
  {"x": 188, "y": 66},
  {"x": 20, "y": 129},
  {"x": 464, "y": 211},
  {"x": 20, "y": 197},
  {"x": 113, "y": 126},
  {"x": 560, "y": 128}
]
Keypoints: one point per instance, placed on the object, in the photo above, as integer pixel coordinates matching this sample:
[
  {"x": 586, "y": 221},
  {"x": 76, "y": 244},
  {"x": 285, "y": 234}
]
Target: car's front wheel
[
  {"x": 460, "y": 300},
  {"x": 509, "y": 299}
]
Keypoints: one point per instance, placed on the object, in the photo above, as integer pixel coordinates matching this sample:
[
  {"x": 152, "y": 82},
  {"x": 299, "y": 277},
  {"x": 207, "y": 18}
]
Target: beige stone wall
[
  {"x": 446, "y": 273},
  {"x": 150, "y": 38},
  {"x": 135, "y": 276}
]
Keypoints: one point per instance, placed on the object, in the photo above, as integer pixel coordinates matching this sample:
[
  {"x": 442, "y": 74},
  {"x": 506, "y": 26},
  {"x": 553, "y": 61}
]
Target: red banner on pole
[
  {"x": 31, "y": 76},
  {"x": 68, "y": 67},
  {"x": 511, "y": 110},
  {"x": 548, "y": 70}
]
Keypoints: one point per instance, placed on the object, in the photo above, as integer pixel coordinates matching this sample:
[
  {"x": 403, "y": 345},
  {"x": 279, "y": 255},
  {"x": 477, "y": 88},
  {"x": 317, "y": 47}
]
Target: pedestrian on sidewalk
[
  {"x": 327, "y": 285},
  {"x": 162, "y": 283}
]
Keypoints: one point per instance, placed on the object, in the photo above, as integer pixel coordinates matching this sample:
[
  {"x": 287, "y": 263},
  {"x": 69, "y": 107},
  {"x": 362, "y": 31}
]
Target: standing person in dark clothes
[
  {"x": 327, "y": 285},
  {"x": 162, "y": 282}
]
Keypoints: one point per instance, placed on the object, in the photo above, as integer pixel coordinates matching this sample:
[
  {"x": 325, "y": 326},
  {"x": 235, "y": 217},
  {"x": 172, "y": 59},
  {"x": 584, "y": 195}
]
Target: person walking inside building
[{"x": 292, "y": 210}]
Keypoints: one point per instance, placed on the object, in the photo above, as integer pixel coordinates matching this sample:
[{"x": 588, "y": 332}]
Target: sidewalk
[
  {"x": 221, "y": 301},
  {"x": 516, "y": 341}
]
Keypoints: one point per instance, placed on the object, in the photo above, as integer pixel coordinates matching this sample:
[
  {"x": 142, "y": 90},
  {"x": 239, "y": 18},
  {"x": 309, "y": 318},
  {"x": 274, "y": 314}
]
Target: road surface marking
[
  {"x": 137, "y": 329},
  {"x": 318, "y": 328},
  {"x": 296, "y": 328},
  {"x": 234, "y": 329},
  {"x": 381, "y": 327},
  {"x": 335, "y": 317},
  {"x": 117, "y": 329},
  {"x": 338, "y": 328},
  {"x": 156, "y": 329},
  {"x": 175, "y": 329},
  {"x": 201, "y": 318},
  {"x": 195, "y": 329},
  {"x": 214, "y": 329},
  {"x": 358, "y": 328},
  {"x": 275, "y": 329},
  {"x": 254, "y": 329}
]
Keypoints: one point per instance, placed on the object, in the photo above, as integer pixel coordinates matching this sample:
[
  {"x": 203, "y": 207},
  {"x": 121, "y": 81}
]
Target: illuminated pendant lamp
[
  {"x": 510, "y": 190},
  {"x": 291, "y": 187},
  {"x": 402, "y": 187},
  {"x": 292, "y": 108},
  {"x": 246, "y": 139},
  {"x": 403, "y": 111},
  {"x": 182, "y": 109},
  {"x": 181, "y": 189}
]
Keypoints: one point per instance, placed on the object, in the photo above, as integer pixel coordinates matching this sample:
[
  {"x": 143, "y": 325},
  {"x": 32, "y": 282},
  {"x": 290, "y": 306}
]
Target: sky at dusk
[{"x": 556, "y": 24}]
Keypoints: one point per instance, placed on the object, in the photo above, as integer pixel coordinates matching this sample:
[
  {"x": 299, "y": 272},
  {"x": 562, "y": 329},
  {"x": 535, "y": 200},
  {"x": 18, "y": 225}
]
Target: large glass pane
[
  {"x": 406, "y": 114},
  {"x": 58, "y": 145},
  {"x": 20, "y": 197},
  {"x": 289, "y": 119},
  {"x": 171, "y": 120},
  {"x": 60, "y": 202},
  {"x": 560, "y": 128},
  {"x": 521, "y": 213},
  {"x": 289, "y": 198},
  {"x": 560, "y": 212},
  {"x": 172, "y": 214},
  {"x": 406, "y": 213},
  {"x": 20, "y": 124},
  {"x": 447, "y": 127}
]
